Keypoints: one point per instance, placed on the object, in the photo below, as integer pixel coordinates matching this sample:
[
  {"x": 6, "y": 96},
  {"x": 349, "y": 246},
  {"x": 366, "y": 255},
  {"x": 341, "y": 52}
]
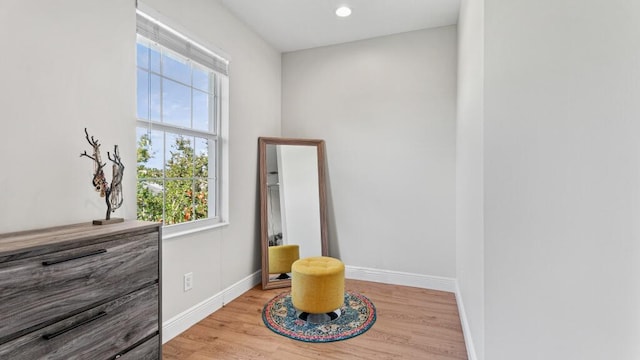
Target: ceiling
[{"x": 291, "y": 25}]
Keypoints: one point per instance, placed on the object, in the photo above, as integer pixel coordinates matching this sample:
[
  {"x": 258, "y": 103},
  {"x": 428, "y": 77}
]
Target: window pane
[
  {"x": 213, "y": 145},
  {"x": 177, "y": 179},
  {"x": 142, "y": 95},
  {"x": 179, "y": 201},
  {"x": 149, "y": 153},
  {"x": 201, "y": 110},
  {"x": 201, "y": 198},
  {"x": 176, "y": 68},
  {"x": 213, "y": 181},
  {"x": 214, "y": 110},
  {"x": 201, "y": 79},
  {"x": 149, "y": 200},
  {"x": 213, "y": 185},
  {"x": 142, "y": 56},
  {"x": 154, "y": 98},
  {"x": 179, "y": 156},
  {"x": 176, "y": 104},
  {"x": 201, "y": 157},
  {"x": 154, "y": 65}
]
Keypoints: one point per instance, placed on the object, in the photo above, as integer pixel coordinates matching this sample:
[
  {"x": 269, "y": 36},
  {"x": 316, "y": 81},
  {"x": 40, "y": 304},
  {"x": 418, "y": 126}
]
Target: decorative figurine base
[{"x": 107, "y": 222}]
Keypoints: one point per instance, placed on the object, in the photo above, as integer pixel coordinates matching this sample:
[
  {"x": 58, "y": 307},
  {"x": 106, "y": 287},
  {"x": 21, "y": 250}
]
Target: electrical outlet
[{"x": 188, "y": 281}]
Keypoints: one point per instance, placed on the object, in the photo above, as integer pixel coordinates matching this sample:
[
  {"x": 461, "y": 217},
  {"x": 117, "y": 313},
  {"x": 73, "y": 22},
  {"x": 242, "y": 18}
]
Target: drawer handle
[
  {"x": 74, "y": 257},
  {"x": 84, "y": 322}
]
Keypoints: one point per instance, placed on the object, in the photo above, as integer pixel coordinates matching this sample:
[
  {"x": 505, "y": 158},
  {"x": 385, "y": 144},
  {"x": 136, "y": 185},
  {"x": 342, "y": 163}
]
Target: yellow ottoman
[
  {"x": 317, "y": 284},
  {"x": 281, "y": 257}
]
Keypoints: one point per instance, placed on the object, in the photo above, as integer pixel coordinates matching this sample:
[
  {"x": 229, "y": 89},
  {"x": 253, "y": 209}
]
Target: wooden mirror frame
[{"x": 264, "y": 235}]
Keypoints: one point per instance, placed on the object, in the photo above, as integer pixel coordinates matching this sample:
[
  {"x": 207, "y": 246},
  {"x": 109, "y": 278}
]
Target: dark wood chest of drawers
[{"x": 81, "y": 292}]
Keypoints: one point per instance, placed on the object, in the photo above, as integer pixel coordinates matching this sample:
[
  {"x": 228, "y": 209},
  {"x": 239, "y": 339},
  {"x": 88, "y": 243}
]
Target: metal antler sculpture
[{"x": 112, "y": 194}]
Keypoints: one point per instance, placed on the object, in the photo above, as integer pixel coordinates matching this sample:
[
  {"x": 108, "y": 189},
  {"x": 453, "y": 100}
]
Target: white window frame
[{"x": 221, "y": 135}]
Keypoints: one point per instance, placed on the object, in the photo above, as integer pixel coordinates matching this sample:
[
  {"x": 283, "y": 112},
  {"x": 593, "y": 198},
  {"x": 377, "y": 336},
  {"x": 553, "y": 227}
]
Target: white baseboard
[
  {"x": 186, "y": 319},
  {"x": 401, "y": 278},
  {"x": 466, "y": 330}
]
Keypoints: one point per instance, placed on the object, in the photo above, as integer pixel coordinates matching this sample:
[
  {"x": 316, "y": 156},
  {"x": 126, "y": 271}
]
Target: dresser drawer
[
  {"x": 43, "y": 289},
  {"x": 149, "y": 350},
  {"x": 98, "y": 333}
]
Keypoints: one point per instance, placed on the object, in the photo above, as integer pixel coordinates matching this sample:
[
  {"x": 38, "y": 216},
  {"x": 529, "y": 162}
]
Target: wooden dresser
[{"x": 81, "y": 292}]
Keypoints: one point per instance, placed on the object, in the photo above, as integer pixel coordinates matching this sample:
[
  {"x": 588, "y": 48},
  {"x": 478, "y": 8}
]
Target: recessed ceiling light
[{"x": 343, "y": 11}]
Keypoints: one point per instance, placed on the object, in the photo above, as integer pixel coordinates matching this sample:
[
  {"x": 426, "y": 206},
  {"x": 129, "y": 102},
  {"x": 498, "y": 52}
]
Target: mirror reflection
[{"x": 292, "y": 205}]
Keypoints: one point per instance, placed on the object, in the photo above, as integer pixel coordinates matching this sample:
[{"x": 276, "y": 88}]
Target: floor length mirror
[{"x": 292, "y": 205}]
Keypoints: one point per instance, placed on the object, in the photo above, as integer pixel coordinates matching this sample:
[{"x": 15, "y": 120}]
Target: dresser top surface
[{"x": 25, "y": 240}]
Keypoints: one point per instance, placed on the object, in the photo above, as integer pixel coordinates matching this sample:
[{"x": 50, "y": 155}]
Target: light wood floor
[{"x": 412, "y": 323}]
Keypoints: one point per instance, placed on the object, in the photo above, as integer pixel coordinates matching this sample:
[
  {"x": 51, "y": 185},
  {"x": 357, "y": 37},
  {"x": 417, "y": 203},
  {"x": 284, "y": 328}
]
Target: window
[{"x": 180, "y": 116}]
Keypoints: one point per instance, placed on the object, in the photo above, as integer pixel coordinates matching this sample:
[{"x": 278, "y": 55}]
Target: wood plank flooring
[{"x": 412, "y": 323}]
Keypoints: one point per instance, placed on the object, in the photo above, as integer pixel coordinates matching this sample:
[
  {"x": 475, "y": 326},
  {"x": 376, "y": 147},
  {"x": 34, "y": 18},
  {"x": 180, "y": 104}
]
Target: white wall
[
  {"x": 562, "y": 180},
  {"x": 70, "y": 64},
  {"x": 386, "y": 109},
  {"x": 298, "y": 166},
  {"x": 469, "y": 174},
  {"x": 66, "y": 65}
]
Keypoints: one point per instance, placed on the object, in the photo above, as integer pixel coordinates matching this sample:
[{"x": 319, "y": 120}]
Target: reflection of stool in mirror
[
  {"x": 281, "y": 258},
  {"x": 317, "y": 285}
]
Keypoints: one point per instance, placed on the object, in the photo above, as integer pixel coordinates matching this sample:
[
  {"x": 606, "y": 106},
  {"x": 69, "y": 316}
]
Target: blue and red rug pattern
[{"x": 357, "y": 316}]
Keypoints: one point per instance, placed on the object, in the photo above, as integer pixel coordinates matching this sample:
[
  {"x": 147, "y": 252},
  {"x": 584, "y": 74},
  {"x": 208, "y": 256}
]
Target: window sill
[{"x": 180, "y": 230}]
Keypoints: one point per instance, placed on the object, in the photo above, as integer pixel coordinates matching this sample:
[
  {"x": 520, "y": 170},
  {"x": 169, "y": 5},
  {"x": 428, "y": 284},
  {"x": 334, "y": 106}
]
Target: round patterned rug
[{"x": 356, "y": 316}]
